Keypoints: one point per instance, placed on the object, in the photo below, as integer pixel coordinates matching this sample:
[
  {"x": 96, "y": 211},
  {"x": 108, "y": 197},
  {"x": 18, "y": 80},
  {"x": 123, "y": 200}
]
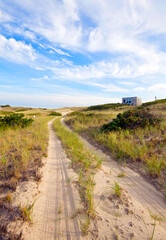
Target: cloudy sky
[{"x": 57, "y": 53}]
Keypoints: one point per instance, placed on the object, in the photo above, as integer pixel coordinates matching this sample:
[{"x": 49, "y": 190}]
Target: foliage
[
  {"x": 15, "y": 120},
  {"x": 55, "y": 114},
  {"x": 131, "y": 119},
  {"x": 4, "y": 106},
  {"x": 105, "y": 106}
]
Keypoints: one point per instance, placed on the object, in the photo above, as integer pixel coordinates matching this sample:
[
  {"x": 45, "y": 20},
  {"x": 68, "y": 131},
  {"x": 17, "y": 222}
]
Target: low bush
[
  {"x": 15, "y": 120},
  {"x": 55, "y": 114},
  {"x": 4, "y": 106},
  {"x": 131, "y": 119}
]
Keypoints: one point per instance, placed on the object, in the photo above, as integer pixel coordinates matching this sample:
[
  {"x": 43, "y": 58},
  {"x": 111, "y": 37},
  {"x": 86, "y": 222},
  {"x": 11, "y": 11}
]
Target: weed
[
  {"x": 84, "y": 225},
  {"x": 121, "y": 175},
  {"x": 117, "y": 189},
  {"x": 8, "y": 198},
  {"x": 59, "y": 210},
  {"x": 156, "y": 218},
  {"x": 27, "y": 211}
]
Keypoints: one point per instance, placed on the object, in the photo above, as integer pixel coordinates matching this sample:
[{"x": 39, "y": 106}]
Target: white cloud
[
  {"x": 110, "y": 87},
  {"x": 59, "y": 51},
  {"x": 158, "y": 88},
  {"x": 16, "y": 51},
  {"x": 45, "y": 77},
  {"x": 4, "y": 17}
]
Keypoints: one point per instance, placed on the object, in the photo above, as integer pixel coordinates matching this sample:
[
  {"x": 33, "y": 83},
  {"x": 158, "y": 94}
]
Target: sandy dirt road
[{"x": 58, "y": 199}]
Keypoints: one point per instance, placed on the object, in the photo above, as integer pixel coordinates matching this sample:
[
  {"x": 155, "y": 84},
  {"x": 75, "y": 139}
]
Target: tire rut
[{"x": 58, "y": 199}]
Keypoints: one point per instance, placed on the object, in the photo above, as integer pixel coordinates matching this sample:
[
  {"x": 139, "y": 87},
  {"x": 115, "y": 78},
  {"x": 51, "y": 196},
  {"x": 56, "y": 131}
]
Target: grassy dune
[
  {"x": 21, "y": 152},
  {"x": 145, "y": 148}
]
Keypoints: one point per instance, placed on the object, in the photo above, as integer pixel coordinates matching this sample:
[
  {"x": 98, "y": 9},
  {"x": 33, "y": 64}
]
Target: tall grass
[
  {"x": 146, "y": 145},
  {"x": 20, "y": 148}
]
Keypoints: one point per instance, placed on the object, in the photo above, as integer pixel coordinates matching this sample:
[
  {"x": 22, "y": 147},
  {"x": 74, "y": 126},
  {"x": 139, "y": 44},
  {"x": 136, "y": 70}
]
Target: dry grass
[
  {"x": 145, "y": 148},
  {"x": 21, "y": 152}
]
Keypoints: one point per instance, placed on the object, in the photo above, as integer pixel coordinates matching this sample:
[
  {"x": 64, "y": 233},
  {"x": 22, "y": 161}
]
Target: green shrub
[
  {"x": 4, "y": 106},
  {"x": 55, "y": 114},
  {"x": 15, "y": 120},
  {"x": 131, "y": 119}
]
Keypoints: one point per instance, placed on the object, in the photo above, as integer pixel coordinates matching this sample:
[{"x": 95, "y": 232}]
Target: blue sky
[{"x": 77, "y": 53}]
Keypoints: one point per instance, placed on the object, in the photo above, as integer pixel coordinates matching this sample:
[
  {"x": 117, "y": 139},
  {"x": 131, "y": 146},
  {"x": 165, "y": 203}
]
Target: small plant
[
  {"x": 156, "y": 218},
  {"x": 59, "y": 210},
  {"x": 8, "y": 198},
  {"x": 84, "y": 225},
  {"x": 117, "y": 189},
  {"x": 121, "y": 175},
  {"x": 27, "y": 211}
]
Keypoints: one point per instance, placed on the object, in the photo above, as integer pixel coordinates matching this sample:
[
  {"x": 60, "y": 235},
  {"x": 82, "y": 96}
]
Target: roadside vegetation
[
  {"x": 134, "y": 136},
  {"x": 55, "y": 114},
  {"x": 23, "y": 143},
  {"x": 85, "y": 164}
]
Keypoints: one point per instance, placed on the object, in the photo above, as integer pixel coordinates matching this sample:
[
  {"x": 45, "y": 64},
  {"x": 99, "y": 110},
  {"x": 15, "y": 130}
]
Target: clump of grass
[
  {"x": 8, "y": 198},
  {"x": 117, "y": 189},
  {"x": 154, "y": 166},
  {"x": 27, "y": 211},
  {"x": 121, "y": 175}
]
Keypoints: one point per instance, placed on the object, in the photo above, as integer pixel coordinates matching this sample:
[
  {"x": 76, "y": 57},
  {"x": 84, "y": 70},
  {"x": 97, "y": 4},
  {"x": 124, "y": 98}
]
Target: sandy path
[
  {"x": 128, "y": 218},
  {"x": 58, "y": 199}
]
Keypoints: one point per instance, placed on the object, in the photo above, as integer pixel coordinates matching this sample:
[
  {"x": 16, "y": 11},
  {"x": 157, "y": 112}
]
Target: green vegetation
[
  {"x": 15, "y": 120},
  {"x": 84, "y": 163},
  {"x": 21, "y": 152},
  {"x": 27, "y": 211},
  {"x": 143, "y": 147},
  {"x": 131, "y": 119},
  {"x": 117, "y": 189},
  {"x": 55, "y": 114},
  {"x": 4, "y": 106},
  {"x": 105, "y": 107}
]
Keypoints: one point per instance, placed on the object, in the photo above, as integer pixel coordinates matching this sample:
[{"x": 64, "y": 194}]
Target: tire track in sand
[{"x": 58, "y": 199}]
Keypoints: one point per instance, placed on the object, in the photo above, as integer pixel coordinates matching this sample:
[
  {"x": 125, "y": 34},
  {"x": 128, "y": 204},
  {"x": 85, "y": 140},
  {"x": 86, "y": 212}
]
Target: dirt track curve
[
  {"x": 130, "y": 218},
  {"x": 57, "y": 200}
]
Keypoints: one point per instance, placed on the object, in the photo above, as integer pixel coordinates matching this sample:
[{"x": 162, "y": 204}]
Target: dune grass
[
  {"x": 84, "y": 163},
  {"x": 21, "y": 152},
  {"x": 20, "y": 148},
  {"x": 145, "y": 147}
]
